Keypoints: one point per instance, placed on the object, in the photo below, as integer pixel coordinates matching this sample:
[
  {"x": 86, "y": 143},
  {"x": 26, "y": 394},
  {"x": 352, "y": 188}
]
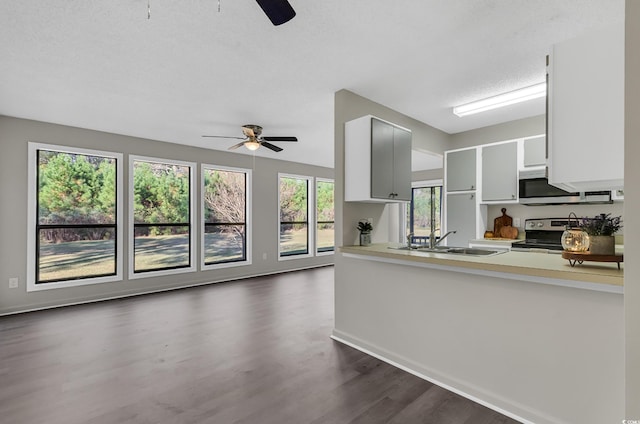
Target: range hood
[{"x": 535, "y": 190}]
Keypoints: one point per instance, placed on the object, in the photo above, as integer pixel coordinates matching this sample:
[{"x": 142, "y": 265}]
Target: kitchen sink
[{"x": 450, "y": 250}]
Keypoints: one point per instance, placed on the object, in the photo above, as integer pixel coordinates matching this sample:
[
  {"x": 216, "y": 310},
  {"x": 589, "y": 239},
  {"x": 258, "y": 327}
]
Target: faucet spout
[{"x": 432, "y": 238}]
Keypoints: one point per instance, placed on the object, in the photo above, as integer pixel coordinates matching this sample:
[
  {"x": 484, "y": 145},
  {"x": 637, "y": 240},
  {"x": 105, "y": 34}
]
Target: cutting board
[{"x": 501, "y": 221}]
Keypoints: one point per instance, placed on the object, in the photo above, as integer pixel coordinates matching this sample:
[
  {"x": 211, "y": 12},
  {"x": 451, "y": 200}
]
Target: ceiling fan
[{"x": 254, "y": 140}]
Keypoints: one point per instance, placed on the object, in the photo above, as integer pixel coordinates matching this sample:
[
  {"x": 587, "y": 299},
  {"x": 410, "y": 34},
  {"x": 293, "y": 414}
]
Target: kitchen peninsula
[{"x": 523, "y": 333}]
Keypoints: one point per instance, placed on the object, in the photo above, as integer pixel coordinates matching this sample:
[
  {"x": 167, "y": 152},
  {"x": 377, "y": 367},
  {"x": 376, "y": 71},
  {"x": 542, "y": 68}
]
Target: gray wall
[
  {"x": 350, "y": 106},
  {"x": 501, "y": 132},
  {"x": 14, "y": 137},
  {"x": 632, "y": 206}
]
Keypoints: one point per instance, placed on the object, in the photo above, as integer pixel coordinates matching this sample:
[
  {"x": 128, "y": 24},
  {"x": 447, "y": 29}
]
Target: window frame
[
  {"x": 310, "y": 217},
  {"x": 193, "y": 167},
  {"x": 407, "y": 206},
  {"x": 247, "y": 217},
  {"x": 333, "y": 249},
  {"x": 32, "y": 217}
]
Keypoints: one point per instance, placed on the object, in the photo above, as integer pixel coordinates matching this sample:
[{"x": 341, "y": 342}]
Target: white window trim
[
  {"x": 315, "y": 210},
  {"x": 192, "y": 218},
  {"x": 310, "y": 217},
  {"x": 32, "y": 192},
  {"x": 248, "y": 217}
]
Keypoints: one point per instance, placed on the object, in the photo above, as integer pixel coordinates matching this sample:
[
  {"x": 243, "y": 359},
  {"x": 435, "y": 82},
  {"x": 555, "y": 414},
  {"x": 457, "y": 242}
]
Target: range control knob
[{"x": 540, "y": 225}]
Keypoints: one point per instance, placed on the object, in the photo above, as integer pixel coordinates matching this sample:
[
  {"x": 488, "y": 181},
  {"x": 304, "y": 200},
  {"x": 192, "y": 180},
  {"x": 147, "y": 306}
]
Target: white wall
[
  {"x": 632, "y": 206},
  {"x": 545, "y": 353},
  {"x": 14, "y": 137}
]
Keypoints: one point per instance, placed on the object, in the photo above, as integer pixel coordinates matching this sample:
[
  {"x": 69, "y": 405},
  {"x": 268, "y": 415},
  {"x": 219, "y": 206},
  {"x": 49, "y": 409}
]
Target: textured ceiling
[{"x": 191, "y": 70}]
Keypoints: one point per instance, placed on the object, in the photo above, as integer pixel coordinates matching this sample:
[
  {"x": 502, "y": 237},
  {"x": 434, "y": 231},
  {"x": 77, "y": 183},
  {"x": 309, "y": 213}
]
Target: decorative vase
[
  {"x": 365, "y": 239},
  {"x": 602, "y": 245}
]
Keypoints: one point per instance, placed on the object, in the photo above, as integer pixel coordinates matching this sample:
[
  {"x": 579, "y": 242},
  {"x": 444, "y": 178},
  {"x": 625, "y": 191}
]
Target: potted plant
[
  {"x": 601, "y": 229},
  {"x": 365, "y": 229}
]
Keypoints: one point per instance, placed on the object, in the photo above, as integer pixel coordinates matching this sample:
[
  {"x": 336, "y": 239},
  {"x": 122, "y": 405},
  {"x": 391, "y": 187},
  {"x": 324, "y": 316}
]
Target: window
[
  {"x": 161, "y": 216},
  {"x": 325, "y": 216},
  {"x": 424, "y": 212},
  {"x": 226, "y": 223},
  {"x": 74, "y": 211},
  {"x": 294, "y": 216}
]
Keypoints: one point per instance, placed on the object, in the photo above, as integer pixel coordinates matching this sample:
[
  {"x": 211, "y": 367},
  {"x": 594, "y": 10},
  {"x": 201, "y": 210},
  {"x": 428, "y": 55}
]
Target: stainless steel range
[{"x": 542, "y": 234}]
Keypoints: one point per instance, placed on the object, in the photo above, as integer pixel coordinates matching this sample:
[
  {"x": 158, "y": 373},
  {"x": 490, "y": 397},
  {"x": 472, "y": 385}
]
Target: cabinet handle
[
  {"x": 473, "y": 187},
  {"x": 471, "y": 197},
  {"x": 513, "y": 196}
]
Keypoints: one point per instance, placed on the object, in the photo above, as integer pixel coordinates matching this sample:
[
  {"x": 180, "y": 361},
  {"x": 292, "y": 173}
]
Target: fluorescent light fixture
[{"x": 505, "y": 99}]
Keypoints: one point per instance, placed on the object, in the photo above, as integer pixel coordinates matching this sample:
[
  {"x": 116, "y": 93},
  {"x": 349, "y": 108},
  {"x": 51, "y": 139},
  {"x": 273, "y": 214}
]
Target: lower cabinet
[{"x": 461, "y": 218}]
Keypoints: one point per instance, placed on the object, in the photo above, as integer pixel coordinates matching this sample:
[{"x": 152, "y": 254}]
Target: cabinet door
[
  {"x": 461, "y": 170},
  {"x": 500, "y": 172},
  {"x": 381, "y": 159},
  {"x": 461, "y": 217},
  {"x": 586, "y": 112},
  {"x": 535, "y": 151},
  {"x": 402, "y": 164}
]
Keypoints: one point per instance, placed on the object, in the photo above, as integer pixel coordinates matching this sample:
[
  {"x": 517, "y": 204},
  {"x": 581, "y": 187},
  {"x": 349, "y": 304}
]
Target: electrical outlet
[
  {"x": 516, "y": 222},
  {"x": 13, "y": 283}
]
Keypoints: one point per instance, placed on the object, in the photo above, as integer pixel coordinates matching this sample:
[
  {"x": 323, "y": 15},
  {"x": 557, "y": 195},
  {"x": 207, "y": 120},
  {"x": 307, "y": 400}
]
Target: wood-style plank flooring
[{"x": 252, "y": 351}]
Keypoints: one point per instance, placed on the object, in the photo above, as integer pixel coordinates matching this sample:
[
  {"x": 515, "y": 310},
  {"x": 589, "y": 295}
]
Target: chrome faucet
[
  {"x": 409, "y": 239},
  {"x": 432, "y": 239}
]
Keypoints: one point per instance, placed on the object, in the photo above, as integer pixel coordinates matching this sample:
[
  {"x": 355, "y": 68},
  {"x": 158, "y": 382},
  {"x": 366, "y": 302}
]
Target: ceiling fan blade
[
  {"x": 278, "y": 11},
  {"x": 223, "y": 136},
  {"x": 235, "y": 146},
  {"x": 271, "y": 146},
  {"x": 280, "y": 138}
]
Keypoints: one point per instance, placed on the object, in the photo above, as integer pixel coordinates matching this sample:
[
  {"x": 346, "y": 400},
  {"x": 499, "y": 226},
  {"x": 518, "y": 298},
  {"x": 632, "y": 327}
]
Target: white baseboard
[{"x": 446, "y": 382}]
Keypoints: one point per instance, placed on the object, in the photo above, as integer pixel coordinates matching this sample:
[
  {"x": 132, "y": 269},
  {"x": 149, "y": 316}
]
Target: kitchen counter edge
[{"x": 525, "y": 266}]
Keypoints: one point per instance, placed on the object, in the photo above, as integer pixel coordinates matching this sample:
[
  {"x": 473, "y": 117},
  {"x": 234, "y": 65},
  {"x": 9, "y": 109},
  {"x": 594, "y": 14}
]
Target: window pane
[
  {"x": 224, "y": 243},
  {"x": 161, "y": 193},
  {"x": 325, "y": 237},
  {"x": 161, "y": 247},
  {"x": 72, "y": 253},
  {"x": 293, "y": 239},
  {"x": 76, "y": 189},
  {"x": 325, "y": 216},
  {"x": 224, "y": 196},
  {"x": 293, "y": 200},
  {"x": 425, "y": 206},
  {"x": 294, "y": 231},
  {"x": 161, "y": 208}
]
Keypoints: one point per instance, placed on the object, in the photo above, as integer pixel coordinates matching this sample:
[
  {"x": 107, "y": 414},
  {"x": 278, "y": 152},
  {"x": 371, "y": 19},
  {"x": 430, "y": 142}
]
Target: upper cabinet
[
  {"x": 586, "y": 112},
  {"x": 377, "y": 161},
  {"x": 500, "y": 172},
  {"x": 460, "y": 170}
]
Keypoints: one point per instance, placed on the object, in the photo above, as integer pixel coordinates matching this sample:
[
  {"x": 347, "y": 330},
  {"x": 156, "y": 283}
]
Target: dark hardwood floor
[{"x": 253, "y": 351}]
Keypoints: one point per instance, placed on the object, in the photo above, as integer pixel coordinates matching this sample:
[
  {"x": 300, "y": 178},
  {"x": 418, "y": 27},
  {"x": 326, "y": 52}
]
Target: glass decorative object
[{"x": 574, "y": 239}]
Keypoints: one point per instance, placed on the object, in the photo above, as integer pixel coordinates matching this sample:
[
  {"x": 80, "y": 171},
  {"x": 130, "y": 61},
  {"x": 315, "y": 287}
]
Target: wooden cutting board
[{"x": 501, "y": 221}]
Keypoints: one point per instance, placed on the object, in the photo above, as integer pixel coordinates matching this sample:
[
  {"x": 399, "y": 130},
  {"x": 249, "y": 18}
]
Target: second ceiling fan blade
[
  {"x": 278, "y": 11},
  {"x": 270, "y": 146},
  {"x": 223, "y": 136},
  {"x": 280, "y": 138}
]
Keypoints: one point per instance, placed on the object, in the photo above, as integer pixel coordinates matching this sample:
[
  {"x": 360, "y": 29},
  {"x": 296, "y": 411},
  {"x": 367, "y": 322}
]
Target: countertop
[{"x": 537, "y": 266}]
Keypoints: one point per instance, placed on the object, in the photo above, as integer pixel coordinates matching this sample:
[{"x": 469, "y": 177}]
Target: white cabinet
[
  {"x": 535, "y": 151},
  {"x": 460, "y": 170},
  {"x": 461, "y": 217},
  {"x": 377, "y": 161},
  {"x": 500, "y": 172},
  {"x": 586, "y": 112}
]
